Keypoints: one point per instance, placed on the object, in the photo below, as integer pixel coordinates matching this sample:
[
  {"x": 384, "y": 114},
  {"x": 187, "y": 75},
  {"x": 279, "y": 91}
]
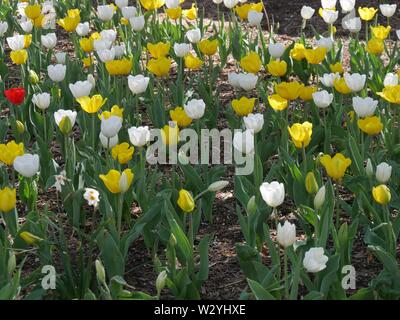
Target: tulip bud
[
  {"x": 369, "y": 170},
  {"x": 123, "y": 183},
  {"x": 383, "y": 172},
  {"x": 160, "y": 282},
  {"x": 311, "y": 183},
  {"x": 319, "y": 198},
  {"x": 20, "y": 127},
  {"x": 381, "y": 194},
  {"x": 65, "y": 125},
  {"x": 217, "y": 186},
  {"x": 172, "y": 240},
  {"x": 12, "y": 263},
  {"x": 33, "y": 77},
  {"x": 251, "y": 206},
  {"x": 100, "y": 272}
]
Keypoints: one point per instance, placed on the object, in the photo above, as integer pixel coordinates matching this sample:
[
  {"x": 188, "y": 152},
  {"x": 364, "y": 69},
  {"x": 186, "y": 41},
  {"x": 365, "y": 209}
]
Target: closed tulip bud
[
  {"x": 139, "y": 136},
  {"x": 383, "y": 172},
  {"x": 307, "y": 12},
  {"x": 328, "y": 79},
  {"x": 105, "y": 12},
  {"x": 138, "y": 84},
  {"x": 311, "y": 183},
  {"x": 254, "y": 122},
  {"x": 128, "y": 12},
  {"x": 100, "y": 271},
  {"x": 273, "y": 193},
  {"x": 330, "y": 16},
  {"x": 325, "y": 43},
  {"x": 251, "y": 207},
  {"x": 12, "y": 263},
  {"x": 181, "y": 49},
  {"x": 124, "y": 183},
  {"x": 8, "y": 199},
  {"x": 194, "y": 36},
  {"x": 319, "y": 198},
  {"x": 286, "y": 234},
  {"x": 33, "y": 77},
  {"x": 185, "y": 201},
  {"x": 369, "y": 169},
  {"x": 137, "y": 23},
  {"x": 217, "y": 186},
  {"x": 195, "y": 108},
  {"x": 322, "y": 99},
  {"x": 111, "y": 126},
  {"x": 20, "y": 127},
  {"x": 160, "y": 282},
  {"x": 381, "y": 194},
  {"x": 276, "y": 50},
  {"x": 347, "y": 5},
  {"x": 57, "y": 72},
  {"x": 244, "y": 142},
  {"x": 41, "y": 100}
]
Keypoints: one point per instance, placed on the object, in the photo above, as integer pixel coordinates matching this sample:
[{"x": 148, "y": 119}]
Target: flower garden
[{"x": 108, "y": 190}]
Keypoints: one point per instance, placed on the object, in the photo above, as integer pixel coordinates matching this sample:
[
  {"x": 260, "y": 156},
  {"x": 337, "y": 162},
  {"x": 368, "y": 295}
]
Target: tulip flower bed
[{"x": 164, "y": 149}]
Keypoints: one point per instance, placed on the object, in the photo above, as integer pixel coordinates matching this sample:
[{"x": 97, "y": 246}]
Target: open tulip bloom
[{"x": 188, "y": 130}]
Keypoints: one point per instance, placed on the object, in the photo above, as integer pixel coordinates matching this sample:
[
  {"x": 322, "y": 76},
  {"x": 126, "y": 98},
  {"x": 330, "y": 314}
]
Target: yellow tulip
[
  {"x": 311, "y": 183},
  {"x": 159, "y": 50},
  {"x": 117, "y": 182},
  {"x": 27, "y": 41},
  {"x": 124, "y": 21},
  {"x": 192, "y": 62},
  {"x": 180, "y": 117},
  {"x": 29, "y": 238},
  {"x": 381, "y": 194},
  {"x": 336, "y": 68},
  {"x": 160, "y": 67},
  {"x": 381, "y": 32},
  {"x": 251, "y": 62},
  {"x": 170, "y": 134},
  {"x": 88, "y": 61},
  {"x": 33, "y": 11},
  {"x": 367, "y": 14},
  {"x": 93, "y": 104},
  {"x": 315, "y": 56},
  {"x": 9, "y": 151},
  {"x": 243, "y": 106},
  {"x": 185, "y": 201},
  {"x": 174, "y": 13},
  {"x": 191, "y": 14},
  {"x": 69, "y": 23},
  {"x": 119, "y": 67},
  {"x": 122, "y": 152},
  {"x": 152, "y": 4},
  {"x": 208, "y": 47},
  {"x": 289, "y": 90},
  {"x": 307, "y": 92},
  {"x": 39, "y": 21},
  {"x": 335, "y": 167},
  {"x": 370, "y": 125},
  {"x": 19, "y": 57},
  {"x": 298, "y": 52},
  {"x": 341, "y": 86},
  {"x": 115, "y": 111},
  {"x": 277, "y": 68},
  {"x": 375, "y": 46},
  {"x": 277, "y": 102},
  {"x": 243, "y": 10},
  {"x": 301, "y": 134},
  {"x": 8, "y": 199},
  {"x": 391, "y": 94},
  {"x": 86, "y": 44}
]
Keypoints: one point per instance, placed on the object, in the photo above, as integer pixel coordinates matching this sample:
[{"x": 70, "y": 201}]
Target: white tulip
[
  {"x": 307, "y": 12},
  {"x": 352, "y": 24},
  {"x": 194, "y": 35},
  {"x": 26, "y": 25},
  {"x": 49, "y": 40},
  {"x": 217, "y": 1},
  {"x": 41, "y": 100},
  {"x": 181, "y": 49},
  {"x": 247, "y": 81},
  {"x": 254, "y": 122},
  {"x": 319, "y": 198},
  {"x": 80, "y": 89},
  {"x": 27, "y": 165},
  {"x": 195, "y": 108},
  {"x": 369, "y": 169},
  {"x": 383, "y": 172},
  {"x": 61, "y": 114},
  {"x": 106, "y": 55},
  {"x": 108, "y": 143},
  {"x": 111, "y": 126},
  {"x": 244, "y": 141},
  {"x": 108, "y": 34},
  {"x": 325, "y": 43},
  {"x": 137, "y": 23},
  {"x": 254, "y": 17},
  {"x": 347, "y": 5},
  {"x": 121, "y": 3},
  {"x": 16, "y": 42},
  {"x": 123, "y": 183},
  {"x": 230, "y": 3},
  {"x": 328, "y": 4},
  {"x": 3, "y": 28},
  {"x": 83, "y": 29},
  {"x": 398, "y": 34},
  {"x": 120, "y": 50},
  {"x": 234, "y": 79},
  {"x": 92, "y": 80},
  {"x": 391, "y": 79},
  {"x": 315, "y": 260},
  {"x": 388, "y": 10},
  {"x": 105, "y": 12},
  {"x": 92, "y": 196},
  {"x": 276, "y": 50},
  {"x": 328, "y": 79},
  {"x": 330, "y": 16},
  {"x": 364, "y": 107},
  {"x": 355, "y": 81},
  {"x": 57, "y": 72},
  {"x": 286, "y": 234},
  {"x": 61, "y": 57},
  {"x": 172, "y": 3},
  {"x": 101, "y": 44},
  {"x": 322, "y": 99},
  {"x": 139, "y": 136},
  {"x": 129, "y": 12},
  {"x": 138, "y": 84},
  {"x": 273, "y": 193}
]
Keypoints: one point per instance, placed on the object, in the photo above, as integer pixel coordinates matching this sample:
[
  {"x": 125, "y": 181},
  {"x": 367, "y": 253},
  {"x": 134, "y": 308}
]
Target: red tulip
[{"x": 15, "y": 95}]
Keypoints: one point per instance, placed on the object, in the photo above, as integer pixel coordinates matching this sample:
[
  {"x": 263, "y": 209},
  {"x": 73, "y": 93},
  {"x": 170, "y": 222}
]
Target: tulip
[
  {"x": 254, "y": 122},
  {"x": 194, "y": 35},
  {"x": 152, "y": 4},
  {"x": 71, "y": 21},
  {"x": 16, "y": 42},
  {"x": 380, "y": 32},
  {"x": 27, "y": 26},
  {"x": 93, "y": 104},
  {"x": 105, "y": 12},
  {"x": 60, "y": 57},
  {"x": 273, "y": 193},
  {"x": 185, "y": 201},
  {"x": 57, "y": 72},
  {"x": 122, "y": 153},
  {"x": 121, "y": 3},
  {"x": 251, "y": 63},
  {"x": 170, "y": 134},
  {"x": 128, "y": 12},
  {"x": 137, "y": 23},
  {"x": 391, "y": 79},
  {"x": 315, "y": 260},
  {"x": 160, "y": 282},
  {"x": 19, "y": 57},
  {"x": 383, "y": 172},
  {"x": 276, "y": 50},
  {"x": 328, "y": 4},
  {"x": 277, "y": 102},
  {"x": 243, "y": 142},
  {"x": 41, "y": 100},
  {"x": 27, "y": 165},
  {"x": 307, "y": 12},
  {"x": 254, "y": 18},
  {"x": 181, "y": 49},
  {"x": 319, "y": 198},
  {"x": 369, "y": 170},
  {"x": 336, "y": 166},
  {"x": 138, "y": 84},
  {"x": 61, "y": 115},
  {"x": 329, "y": 16},
  {"x": 286, "y": 234},
  {"x": 355, "y": 81},
  {"x": 375, "y": 46},
  {"x": 301, "y": 134},
  {"x": 108, "y": 143},
  {"x": 311, "y": 183},
  {"x": 101, "y": 44},
  {"x": 159, "y": 49},
  {"x": 195, "y": 108},
  {"x": 80, "y": 89},
  {"x": 139, "y": 136},
  {"x": 328, "y": 79},
  {"x": 49, "y": 40},
  {"x": 352, "y": 24},
  {"x": 180, "y": 117},
  {"x": 30, "y": 238},
  {"x": 341, "y": 86},
  {"x": 172, "y": 3},
  {"x": 391, "y": 94},
  {"x": 160, "y": 67},
  {"x": 8, "y": 199},
  {"x": 208, "y": 47},
  {"x": 111, "y": 126},
  {"x": 322, "y": 99},
  {"x": 367, "y": 14},
  {"x": 370, "y": 125},
  {"x": 83, "y": 29},
  {"x": 364, "y": 107},
  {"x": 347, "y": 5},
  {"x": 243, "y": 106},
  {"x": 15, "y": 95},
  {"x": 277, "y": 68},
  {"x": 297, "y": 53},
  {"x": 3, "y": 28},
  {"x": 381, "y": 194},
  {"x": 307, "y": 92},
  {"x": 315, "y": 56},
  {"x": 9, "y": 151},
  {"x": 288, "y": 90},
  {"x": 388, "y": 10},
  {"x": 117, "y": 182},
  {"x": 192, "y": 62}
]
